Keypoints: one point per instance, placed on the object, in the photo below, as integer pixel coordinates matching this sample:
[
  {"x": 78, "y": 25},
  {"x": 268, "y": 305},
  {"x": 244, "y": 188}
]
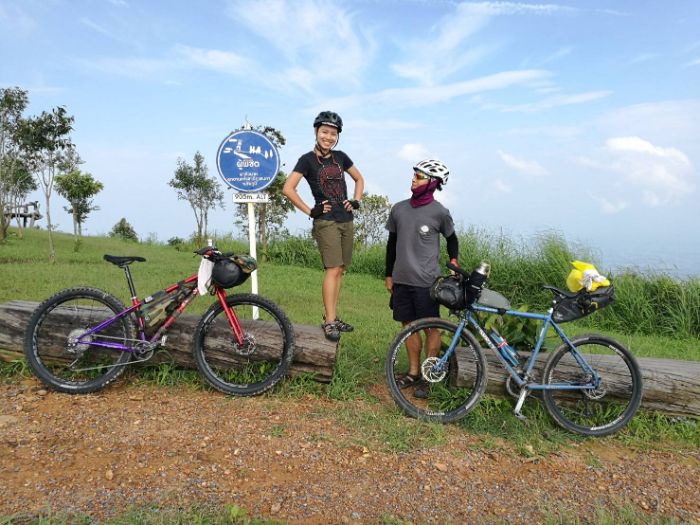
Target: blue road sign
[{"x": 247, "y": 161}]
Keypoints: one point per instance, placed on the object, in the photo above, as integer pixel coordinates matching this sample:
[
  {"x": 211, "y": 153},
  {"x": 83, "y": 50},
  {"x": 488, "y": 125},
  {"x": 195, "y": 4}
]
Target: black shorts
[{"x": 412, "y": 302}]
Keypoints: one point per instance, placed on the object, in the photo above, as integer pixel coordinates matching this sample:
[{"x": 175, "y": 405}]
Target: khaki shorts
[{"x": 334, "y": 240}]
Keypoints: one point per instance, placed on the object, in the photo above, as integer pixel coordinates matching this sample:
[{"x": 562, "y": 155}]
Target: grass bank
[{"x": 295, "y": 286}]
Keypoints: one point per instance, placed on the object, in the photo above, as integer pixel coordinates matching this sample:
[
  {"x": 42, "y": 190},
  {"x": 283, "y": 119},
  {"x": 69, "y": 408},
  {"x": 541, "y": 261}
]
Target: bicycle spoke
[
  {"x": 601, "y": 406},
  {"x": 446, "y": 391},
  {"x": 63, "y": 354},
  {"x": 259, "y": 360}
]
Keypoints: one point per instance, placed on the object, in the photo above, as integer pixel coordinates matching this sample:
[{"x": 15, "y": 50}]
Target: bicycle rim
[
  {"x": 260, "y": 361},
  {"x": 61, "y": 355},
  {"x": 451, "y": 392},
  {"x": 600, "y": 411}
]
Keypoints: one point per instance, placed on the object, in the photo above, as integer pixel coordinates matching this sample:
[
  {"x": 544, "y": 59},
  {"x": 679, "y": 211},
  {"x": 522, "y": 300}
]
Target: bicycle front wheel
[
  {"x": 263, "y": 357},
  {"x": 444, "y": 393},
  {"x": 593, "y": 412},
  {"x": 61, "y": 350}
]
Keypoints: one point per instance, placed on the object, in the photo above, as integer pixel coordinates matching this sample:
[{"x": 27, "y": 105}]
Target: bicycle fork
[{"x": 231, "y": 317}]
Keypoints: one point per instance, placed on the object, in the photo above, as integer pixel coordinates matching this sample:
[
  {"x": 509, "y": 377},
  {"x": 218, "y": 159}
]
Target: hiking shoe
[
  {"x": 330, "y": 330},
  {"x": 421, "y": 391},
  {"x": 342, "y": 325}
]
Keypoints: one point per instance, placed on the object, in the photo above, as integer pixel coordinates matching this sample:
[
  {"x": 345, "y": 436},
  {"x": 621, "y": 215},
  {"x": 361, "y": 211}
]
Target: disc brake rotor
[
  {"x": 247, "y": 346},
  {"x": 432, "y": 371}
]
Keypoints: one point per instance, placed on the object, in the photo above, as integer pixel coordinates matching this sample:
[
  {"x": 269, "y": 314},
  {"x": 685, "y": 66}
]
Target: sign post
[{"x": 248, "y": 162}]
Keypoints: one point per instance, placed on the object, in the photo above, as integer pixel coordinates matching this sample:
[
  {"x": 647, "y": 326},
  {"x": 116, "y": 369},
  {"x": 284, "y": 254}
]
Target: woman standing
[{"x": 332, "y": 213}]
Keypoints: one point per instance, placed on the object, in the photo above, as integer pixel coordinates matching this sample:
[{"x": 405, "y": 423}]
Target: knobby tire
[
  {"x": 81, "y": 368},
  {"x": 260, "y": 362}
]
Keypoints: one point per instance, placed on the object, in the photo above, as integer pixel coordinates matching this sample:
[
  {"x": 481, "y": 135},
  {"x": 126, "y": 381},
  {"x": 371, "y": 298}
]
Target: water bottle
[
  {"x": 507, "y": 352},
  {"x": 476, "y": 281}
]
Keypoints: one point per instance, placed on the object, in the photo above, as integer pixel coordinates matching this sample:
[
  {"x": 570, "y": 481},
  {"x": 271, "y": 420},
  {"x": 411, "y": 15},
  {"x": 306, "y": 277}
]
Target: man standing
[{"x": 412, "y": 253}]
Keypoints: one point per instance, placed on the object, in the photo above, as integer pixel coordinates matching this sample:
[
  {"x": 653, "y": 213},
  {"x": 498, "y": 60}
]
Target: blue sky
[{"x": 579, "y": 117}]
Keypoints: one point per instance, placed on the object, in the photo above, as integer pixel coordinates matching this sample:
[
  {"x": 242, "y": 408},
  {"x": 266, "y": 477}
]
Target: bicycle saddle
[
  {"x": 122, "y": 261},
  {"x": 559, "y": 292}
]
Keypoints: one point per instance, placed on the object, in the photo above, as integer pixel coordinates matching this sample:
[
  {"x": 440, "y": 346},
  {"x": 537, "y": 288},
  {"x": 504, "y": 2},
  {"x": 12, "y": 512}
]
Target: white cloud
[
  {"x": 502, "y": 186},
  {"x": 695, "y": 62},
  {"x": 558, "y": 101},
  {"x": 527, "y": 167},
  {"x": 559, "y": 53},
  {"x": 425, "y": 96},
  {"x": 637, "y": 145},
  {"x": 662, "y": 175},
  {"x": 319, "y": 40},
  {"x": 94, "y": 25},
  {"x": 13, "y": 20},
  {"x": 223, "y": 61},
  {"x": 413, "y": 152},
  {"x": 644, "y": 57},
  {"x": 446, "y": 48},
  {"x": 517, "y": 8},
  {"x": 609, "y": 207},
  {"x": 132, "y": 67},
  {"x": 672, "y": 121}
]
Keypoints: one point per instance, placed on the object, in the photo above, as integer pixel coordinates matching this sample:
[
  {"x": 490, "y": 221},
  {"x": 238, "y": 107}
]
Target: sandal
[
  {"x": 342, "y": 325},
  {"x": 330, "y": 330},
  {"x": 406, "y": 380}
]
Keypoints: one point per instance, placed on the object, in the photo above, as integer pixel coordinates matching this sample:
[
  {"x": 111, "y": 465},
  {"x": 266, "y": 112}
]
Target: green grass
[
  {"x": 364, "y": 302},
  {"x": 621, "y": 514},
  {"x": 147, "y": 515}
]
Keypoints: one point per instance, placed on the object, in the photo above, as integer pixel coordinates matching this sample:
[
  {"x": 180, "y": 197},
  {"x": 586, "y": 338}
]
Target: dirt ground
[{"x": 291, "y": 461}]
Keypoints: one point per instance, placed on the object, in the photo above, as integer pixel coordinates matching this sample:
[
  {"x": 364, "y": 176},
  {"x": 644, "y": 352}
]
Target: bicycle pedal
[
  {"x": 163, "y": 340},
  {"x": 520, "y": 416},
  {"x": 519, "y": 405}
]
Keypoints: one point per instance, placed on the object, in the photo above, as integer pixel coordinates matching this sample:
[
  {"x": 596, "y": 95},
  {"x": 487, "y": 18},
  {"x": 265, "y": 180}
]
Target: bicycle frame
[
  {"x": 522, "y": 376},
  {"x": 85, "y": 338}
]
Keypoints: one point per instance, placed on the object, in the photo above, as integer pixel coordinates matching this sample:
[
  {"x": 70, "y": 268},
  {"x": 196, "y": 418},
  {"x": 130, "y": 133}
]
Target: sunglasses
[{"x": 419, "y": 176}]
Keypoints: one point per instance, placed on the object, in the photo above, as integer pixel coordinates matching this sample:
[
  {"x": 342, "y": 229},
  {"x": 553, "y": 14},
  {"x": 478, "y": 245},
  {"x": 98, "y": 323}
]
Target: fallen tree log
[
  {"x": 313, "y": 353},
  {"x": 670, "y": 386}
]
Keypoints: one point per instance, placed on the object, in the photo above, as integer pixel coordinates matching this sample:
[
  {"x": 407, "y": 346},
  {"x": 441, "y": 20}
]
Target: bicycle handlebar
[
  {"x": 457, "y": 269},
  {"x": 210, "y": 252}
]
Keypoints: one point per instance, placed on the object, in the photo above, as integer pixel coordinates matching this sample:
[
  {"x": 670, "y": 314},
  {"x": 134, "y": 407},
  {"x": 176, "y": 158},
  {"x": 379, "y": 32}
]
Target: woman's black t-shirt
[{"x": 326, "y": 178}]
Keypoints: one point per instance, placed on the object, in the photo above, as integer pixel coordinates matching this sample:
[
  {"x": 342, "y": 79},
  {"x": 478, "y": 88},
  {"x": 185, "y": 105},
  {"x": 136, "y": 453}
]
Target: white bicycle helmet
[{"x": 433, "y": 168}]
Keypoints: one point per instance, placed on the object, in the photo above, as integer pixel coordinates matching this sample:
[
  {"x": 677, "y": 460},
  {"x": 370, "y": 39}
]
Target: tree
[
  {"x": 203, "y": 193},
  {"x": 78, "y": 189},
  {"x": 18, "y": 183},
  {"x": 123, "y": 230},
  {"x": 13, "y": 172},
  {"x": 370, "y": 219},
  {"x": 46, "y": 140},
  {"x": 270, "y": 215}
]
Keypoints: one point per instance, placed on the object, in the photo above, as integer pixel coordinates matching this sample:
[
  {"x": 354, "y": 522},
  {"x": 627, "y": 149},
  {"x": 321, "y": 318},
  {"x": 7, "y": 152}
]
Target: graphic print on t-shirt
[{"x": 331, "y": 180}]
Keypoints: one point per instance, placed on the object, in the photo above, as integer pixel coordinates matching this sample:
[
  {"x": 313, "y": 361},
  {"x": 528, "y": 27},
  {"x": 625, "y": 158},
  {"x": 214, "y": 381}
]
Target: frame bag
[{"x": 582, "y": 304}]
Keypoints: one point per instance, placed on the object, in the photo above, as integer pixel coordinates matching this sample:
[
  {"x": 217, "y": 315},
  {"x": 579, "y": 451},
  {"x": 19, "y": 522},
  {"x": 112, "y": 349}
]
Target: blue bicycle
[{"x": 590, "y": 384}]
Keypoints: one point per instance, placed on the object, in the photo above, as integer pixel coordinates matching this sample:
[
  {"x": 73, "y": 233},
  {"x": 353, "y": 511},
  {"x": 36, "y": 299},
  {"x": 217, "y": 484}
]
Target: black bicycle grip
[{"x": 457, "y": 269}]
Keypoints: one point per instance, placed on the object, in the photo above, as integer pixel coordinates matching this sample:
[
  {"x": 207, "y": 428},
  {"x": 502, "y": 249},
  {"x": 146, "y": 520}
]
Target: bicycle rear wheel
[
  {"x": 607, "y": 408},
  {"x": 62, "y": 361},
  {"x": 260, "y": 361},
  {"x": 453, "y": 391}
]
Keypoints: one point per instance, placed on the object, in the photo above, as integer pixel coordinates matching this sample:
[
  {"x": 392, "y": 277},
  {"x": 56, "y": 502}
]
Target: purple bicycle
[{"x": 81, "y": 339}]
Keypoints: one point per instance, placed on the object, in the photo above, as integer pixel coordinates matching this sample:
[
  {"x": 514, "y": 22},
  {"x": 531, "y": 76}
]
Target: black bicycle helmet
[
  {"x": 227, "y": 273},
  {"x": 329, "y": 119}
]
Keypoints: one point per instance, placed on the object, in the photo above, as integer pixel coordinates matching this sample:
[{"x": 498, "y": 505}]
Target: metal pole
[{"x": 252, "y": 243}]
